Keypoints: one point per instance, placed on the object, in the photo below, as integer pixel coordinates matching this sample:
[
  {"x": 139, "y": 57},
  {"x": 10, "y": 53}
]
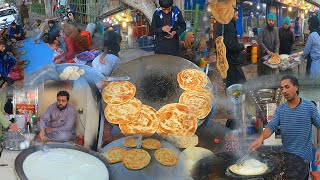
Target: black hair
[
  {"x": 13, "y": 23},
  {"x": 315, "y": 104},
  {"x": 314, "y": 24},
  {"x": 9, "y": 100},
  {"x": 51, "y": 22},
  {"x": 165, "y": 3},
  {"x": 64, "y": 93},
  {"x": 293, "y": 80},
  {"x": 38, "y": 21},
  {"x": 2, "y": 42}
]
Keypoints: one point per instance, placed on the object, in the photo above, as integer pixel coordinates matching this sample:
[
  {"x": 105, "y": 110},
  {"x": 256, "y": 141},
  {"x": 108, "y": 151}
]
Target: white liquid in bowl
[{"x": 64, "y": 164}]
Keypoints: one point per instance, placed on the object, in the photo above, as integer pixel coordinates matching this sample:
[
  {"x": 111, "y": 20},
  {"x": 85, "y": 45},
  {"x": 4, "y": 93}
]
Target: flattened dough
[{"x": 251, "y": 167}]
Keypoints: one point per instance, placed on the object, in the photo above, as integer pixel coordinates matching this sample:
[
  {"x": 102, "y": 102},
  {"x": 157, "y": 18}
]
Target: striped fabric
[{"x": 295, "y": 124}]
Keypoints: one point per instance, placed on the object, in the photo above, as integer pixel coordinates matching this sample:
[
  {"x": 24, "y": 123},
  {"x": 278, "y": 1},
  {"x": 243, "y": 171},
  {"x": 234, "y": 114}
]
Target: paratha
[
  {"x": 199, "y": 102},
  {"x": 151, "y": 144},
  {"x": 177, "y": 119},
  {"x": 118, "y": 92},
  {"x": 274, "y": 59},
  {"x": 136, "y": 159},
  {"x": 190, "y": 79},
  {"x": 183, "y": 141},
  {"x": 222, "y": 62},
  {"x": 146, "y": 124},
  {"x": 251, "y": 167},
  {"x": 223, "y": 11},
  {"x": 115, "y": 154},
  {"x": 166, "y": 157},
  {"x": 130, "y": 142},
  {"x": 123, "y": 113}
]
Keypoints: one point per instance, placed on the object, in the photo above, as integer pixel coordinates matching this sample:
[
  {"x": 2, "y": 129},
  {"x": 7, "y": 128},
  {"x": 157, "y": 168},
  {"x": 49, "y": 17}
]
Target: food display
[
  {"x": 146, "y": 124},
  {"x": 177, "y": 119},
  {"x": 130, "y": 142},
  {"x": 118, "y": 92},
  {"x": 136, "y": 159},
  {"x": 115, "y": 154},
  {"x": 151, "y": 144},
  {"x": 71, "y": 73},
  {"x": 250, "y": 167},
  {"x": 222, "y": 62},
  {"x": 61, "y": 163},
  {"x": 166, "y": 157},
  {"x": 183, "y": 141},
  {"x": 190, "y": 79},
  {"x": 274, "y": 59}
]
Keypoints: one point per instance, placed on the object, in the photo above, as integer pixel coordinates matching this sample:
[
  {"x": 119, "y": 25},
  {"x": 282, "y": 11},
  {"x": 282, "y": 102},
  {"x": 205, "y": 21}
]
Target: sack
[{"x": 45, "y": 38}]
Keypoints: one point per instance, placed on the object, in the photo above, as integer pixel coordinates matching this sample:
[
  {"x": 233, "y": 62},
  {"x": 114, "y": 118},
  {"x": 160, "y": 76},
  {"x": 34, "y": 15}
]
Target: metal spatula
[
  {"x": 124, "y": 78},
  {"x": 243, "y": 158}
]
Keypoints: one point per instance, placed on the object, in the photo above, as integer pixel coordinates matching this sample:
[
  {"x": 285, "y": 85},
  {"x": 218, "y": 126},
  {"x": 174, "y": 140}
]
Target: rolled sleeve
[{"x": 273, "y": 124}]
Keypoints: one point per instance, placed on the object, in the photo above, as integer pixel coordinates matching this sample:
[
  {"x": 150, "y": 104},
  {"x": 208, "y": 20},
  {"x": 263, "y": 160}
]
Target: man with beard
[
  {"x": 268, "y": 44},
  {"x": 296, "y": 117},
  {"x": 58, "y": 122},
  {"x": 235, "y": 74}
]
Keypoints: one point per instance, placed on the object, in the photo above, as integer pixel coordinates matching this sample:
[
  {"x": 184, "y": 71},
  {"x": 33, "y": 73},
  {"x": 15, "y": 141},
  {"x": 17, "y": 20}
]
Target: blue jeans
[{"x": 314, "y": 167}]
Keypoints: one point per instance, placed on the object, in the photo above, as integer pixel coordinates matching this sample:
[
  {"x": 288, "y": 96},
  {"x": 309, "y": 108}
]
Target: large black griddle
[
  {"x": 282, "y": 165},
  {"x": 18, "y": 164}
]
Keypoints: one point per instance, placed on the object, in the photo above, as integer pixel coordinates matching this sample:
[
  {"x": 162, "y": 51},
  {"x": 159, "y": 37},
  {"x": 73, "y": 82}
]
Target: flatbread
[
  {"x": 274, "y": 59},
  {"x": 64, "y": 76},
  {"x": 223, "y": 10},
  {"x": 146, "y": 124},
  {"x": 190, "y": 79},
  {"x": 130, "y": 142},
  {"x": 123, "y": 113},
  {"x": 118, "y": 92},
  {"x": 151, "y": 144},
  {"x": 177, "y": 119},
  {"x": 136, "y": 159},
  {"x": 251, "y": 167},
  {"x": 222, "y": 62},
  {"x": 68, "y": 70},
  {"x": 115, "y": 154},
  {"x": 199, "y": 102},
  {"x": 183, "y": 141},
  {"x": 166, "y": 157}
]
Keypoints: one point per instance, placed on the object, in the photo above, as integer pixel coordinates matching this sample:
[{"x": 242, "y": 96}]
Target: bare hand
[
  {"x": 41, "y": 134},
  {"x": 166, "y": 29},
  {"x": 171, "y": 35},
  {"x": 255, "y": 144},
  {"x": 13, "y": 127},
  {"x": 102, "y": 58},
  {"x": 318, "y": 156}
]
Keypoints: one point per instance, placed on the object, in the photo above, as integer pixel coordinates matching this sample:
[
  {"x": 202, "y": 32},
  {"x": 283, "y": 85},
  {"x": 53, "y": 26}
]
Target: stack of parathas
[
  {"x": 127, "y": 111},
  {"x": 222, "y": 63},
  {"x": 274, "y": 59}
]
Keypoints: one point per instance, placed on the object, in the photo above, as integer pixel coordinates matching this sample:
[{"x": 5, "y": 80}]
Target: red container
[{"x": 80, "y": 140}]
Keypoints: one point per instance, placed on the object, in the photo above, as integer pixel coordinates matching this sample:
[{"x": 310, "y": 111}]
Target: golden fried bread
[
  {"x": 136, "y": 159},
  {"x": 223, "y": 11},
  {"x": 198, "y": 101},
  {"x": 177, "y": 119},
  {"x": 166, "y": 157},
  {"x": 118, "y": 92},
  {"x": 146, "y": 124},
  {"x": 189, "y": 79},
  {"x": 274, "y": 59},
  {"x": 123, "y": 113},
  {"x": 222, "y": 62},
  {"x": 115, "y": 154},
  {"x": 151, "y": 144},
  {"x": 130, "y": 142}
]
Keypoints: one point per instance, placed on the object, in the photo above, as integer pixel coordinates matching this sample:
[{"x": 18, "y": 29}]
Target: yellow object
[
  {"x": 202, "y": 63},
  {"x": 254, "y": 54}
]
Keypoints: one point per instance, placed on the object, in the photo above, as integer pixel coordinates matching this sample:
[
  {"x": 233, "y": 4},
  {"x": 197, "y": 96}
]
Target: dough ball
[
  {"x": 68, "y": 69},
  {"x": 74, "y": 76},
  {"x": 81, "y": 71},
  {"x": 64, "y": 76},
  {"x": 75, "y": 68}
]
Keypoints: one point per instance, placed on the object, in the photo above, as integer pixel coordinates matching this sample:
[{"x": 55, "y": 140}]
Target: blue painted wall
[{"x": 239, "y": 22}]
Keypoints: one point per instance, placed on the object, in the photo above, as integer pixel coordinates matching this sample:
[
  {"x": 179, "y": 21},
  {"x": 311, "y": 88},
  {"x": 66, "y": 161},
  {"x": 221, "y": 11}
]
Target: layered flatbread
[
  {"x": 274, "y": 59},
  {"x": 115, "y": 154},
  {"x": 136, "y": 159},
  {"x": 123, "y": 113},
  {"x": 130, "y": 142},
  {"x": 118, "y": 92},
  {"x": 199, "y": 102},
  {"x": 223, "y": 11},
  {"x": 222, "y": 62},
  {"x": 177, "y": 119},
  {"x": 183, "y": 141},
  {"x": 251, "y": 167},
  {"x": 151, "y": 144},
  {"x": 146, "y": 124},
  {"x": 190, "y": 79},
  {"x": 166, "y": 157}
]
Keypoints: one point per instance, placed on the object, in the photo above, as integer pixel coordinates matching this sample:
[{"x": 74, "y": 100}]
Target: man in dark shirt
[
  {"x": 167, "y": 25},
  {"x": 286, "y": 37},
  {"x": 8, "y": 107},
  {"x": 17, "y": 32}
]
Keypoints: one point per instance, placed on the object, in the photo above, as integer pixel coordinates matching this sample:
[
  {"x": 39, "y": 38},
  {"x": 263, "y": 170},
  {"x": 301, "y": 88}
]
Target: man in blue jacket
[
  {"x": 16, "y": 32},
  {"x": 167, "y": 25}
]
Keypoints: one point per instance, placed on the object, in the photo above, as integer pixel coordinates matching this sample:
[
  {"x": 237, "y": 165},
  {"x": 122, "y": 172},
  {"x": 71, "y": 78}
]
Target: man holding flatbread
[
  {"x": 269, "y": 44},
  {"x": 167, "y": 25},
  {"x": 235, "y": 74},
  {"x": 295, "y": 118}
]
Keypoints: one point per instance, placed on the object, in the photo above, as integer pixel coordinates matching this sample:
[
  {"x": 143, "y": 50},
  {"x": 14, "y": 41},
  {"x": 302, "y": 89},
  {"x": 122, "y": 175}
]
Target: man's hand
[
  {"x": 270, "y": 53},
  {"x": 41, "y": 134},
  {"x": 318, "y": 156},
  {"x": 166, "y": 29},
  {"x": 171, "y": 35},
  {"x": 255, "y": 144},
  {"x": 48, "y": 130},
  {"x": 14, "y": 127}
]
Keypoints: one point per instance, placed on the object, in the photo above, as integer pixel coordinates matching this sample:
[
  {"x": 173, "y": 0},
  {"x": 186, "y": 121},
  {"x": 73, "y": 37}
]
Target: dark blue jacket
[
  {"x": 13, "y": 31},
  {"x": 6, "y": 63}
]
